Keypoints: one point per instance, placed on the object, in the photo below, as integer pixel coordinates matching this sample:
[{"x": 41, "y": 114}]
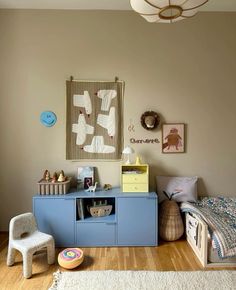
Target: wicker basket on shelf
[{"x": 171, "y": 226}]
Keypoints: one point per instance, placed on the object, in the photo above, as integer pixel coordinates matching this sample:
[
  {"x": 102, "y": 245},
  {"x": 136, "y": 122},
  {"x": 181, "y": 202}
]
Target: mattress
[
  {"x": 213, "y": 256},
  {"x": 193, "y": 231},
  {"x": 219, "y": 215}
]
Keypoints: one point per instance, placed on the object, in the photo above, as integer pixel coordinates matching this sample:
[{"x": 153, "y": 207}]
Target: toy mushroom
[{"x": 46, "y": 175}]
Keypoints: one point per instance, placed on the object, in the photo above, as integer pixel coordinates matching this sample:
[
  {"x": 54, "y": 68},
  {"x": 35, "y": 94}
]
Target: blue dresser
[{"x": 132, "y": 222}]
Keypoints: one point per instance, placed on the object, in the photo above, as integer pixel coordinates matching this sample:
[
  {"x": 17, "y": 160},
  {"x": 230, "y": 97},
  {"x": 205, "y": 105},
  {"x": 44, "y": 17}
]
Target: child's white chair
[{"x": 25, "y": 237}]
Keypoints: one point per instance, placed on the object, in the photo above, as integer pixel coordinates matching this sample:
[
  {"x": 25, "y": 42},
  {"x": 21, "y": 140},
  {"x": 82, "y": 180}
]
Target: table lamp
[{"x": 127, "y": 151}]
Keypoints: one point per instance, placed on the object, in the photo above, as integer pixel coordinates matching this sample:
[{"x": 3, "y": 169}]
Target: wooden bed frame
[{"x": 201, "y": 247}]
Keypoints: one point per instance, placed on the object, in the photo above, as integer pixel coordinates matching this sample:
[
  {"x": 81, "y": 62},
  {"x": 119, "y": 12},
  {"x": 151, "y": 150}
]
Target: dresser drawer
[
  {"x": 95, "y": 234},
  {"x": 135, "y": 178},
  {"x": 137, "y": 187}
]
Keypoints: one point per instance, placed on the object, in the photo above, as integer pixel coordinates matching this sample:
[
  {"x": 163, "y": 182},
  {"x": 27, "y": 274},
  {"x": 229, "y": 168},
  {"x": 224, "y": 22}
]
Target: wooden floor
[{"x": 168, "y": 256}]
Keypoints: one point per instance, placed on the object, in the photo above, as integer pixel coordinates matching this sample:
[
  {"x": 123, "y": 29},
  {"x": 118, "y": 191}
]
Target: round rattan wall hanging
[{"x": 150, "y": 120}]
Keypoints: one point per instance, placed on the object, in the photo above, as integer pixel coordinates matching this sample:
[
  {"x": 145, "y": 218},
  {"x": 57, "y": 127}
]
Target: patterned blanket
[{"x": 220, "y": 215}]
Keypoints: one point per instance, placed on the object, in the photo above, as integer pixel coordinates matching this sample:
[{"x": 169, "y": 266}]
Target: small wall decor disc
[{"x": 48, "y": 118}]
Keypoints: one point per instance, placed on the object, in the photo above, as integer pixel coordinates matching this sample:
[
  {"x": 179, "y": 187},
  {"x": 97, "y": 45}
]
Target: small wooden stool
[{"x": 70, "y": 258}]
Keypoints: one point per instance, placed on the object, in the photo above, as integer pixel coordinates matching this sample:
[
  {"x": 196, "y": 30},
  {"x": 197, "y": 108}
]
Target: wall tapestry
[{"x": 94, "y": 120}]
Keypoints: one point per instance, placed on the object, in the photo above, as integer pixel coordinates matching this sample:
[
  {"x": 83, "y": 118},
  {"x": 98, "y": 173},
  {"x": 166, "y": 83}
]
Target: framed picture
[
  {"x": 173, "y": 138},
  {"x": 85, "y": 177}
]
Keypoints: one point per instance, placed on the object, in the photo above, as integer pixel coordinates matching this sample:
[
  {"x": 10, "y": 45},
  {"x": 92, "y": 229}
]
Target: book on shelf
[{"x": 80, "y": 207}]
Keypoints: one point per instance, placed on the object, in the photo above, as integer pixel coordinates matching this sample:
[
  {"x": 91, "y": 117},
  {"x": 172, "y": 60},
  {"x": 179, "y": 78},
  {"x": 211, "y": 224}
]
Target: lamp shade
[
  {"x": 128, "y": 150},
  {"x": 166, "y": 11}
]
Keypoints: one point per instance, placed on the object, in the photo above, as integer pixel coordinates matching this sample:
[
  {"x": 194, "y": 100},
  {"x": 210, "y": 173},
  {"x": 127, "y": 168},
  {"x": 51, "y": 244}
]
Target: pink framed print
[{"x": 173, "y": 138}]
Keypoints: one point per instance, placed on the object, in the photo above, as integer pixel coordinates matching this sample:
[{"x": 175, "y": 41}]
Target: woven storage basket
[
  {"x": 171, "y": 226},
  {"x": 49, "y": 188}
]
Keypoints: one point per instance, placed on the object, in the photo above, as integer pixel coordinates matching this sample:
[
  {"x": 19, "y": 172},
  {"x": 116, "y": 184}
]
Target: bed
[{"x": 211, "y": 230}]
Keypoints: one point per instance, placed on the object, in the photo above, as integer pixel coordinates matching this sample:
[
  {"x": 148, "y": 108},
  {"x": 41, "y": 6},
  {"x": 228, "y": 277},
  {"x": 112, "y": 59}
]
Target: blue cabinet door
[
  {"x": 57, "y": 218},
  {"x": 95, "y": 234},
  {"x": 137, "y": 221}
]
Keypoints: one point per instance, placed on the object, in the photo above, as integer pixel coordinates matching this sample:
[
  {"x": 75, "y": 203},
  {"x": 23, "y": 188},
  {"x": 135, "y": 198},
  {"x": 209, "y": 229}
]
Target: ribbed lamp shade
[
  {"x": 166, "y": 11},
  {"x": 128, "y": 150}
]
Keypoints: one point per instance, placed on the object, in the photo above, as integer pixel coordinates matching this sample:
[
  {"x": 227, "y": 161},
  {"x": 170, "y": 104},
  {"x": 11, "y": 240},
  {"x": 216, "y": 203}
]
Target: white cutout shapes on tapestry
[
  {"x": 98, "y": 146},
  {"x": 108, "y": 121},
  {"x": 82, "y": 129},
  {"x": 83, "y": 101},
  {"x": 106, "y": 96}
]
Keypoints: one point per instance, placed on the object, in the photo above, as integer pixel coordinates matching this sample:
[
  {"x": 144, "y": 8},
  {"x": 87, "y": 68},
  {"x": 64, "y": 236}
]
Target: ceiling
[{"x": 212, "y": 5}]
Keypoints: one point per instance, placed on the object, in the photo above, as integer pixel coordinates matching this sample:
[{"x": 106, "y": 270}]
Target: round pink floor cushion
[{"x": 70, "y": 258}]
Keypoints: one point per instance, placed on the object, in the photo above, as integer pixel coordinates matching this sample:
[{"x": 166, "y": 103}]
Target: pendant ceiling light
[{"x": 166, "y": 11}]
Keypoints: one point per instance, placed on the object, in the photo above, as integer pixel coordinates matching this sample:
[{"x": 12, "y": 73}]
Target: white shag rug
[{"x": 144, "y": 280}]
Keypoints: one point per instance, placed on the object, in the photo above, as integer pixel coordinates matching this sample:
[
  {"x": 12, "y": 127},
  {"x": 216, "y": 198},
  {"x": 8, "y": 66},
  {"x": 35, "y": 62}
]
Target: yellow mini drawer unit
[{"x": 135, "y": 178}]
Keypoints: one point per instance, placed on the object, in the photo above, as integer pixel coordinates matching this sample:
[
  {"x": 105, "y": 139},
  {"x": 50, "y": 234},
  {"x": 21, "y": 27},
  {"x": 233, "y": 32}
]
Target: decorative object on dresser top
[
  {"x": 128, "y": 151},
  {"x": 107, "y": 186},
  {"x": 212, "y": 222},
  {"x": 143, "y": 280},
  {"x": 135, "y": 178},
  {"x": 182, "y": 188},
  {"x": 58, "y": 184},
  {"x": 85, "y": 177},
  {"x": 92, "y": 188}
]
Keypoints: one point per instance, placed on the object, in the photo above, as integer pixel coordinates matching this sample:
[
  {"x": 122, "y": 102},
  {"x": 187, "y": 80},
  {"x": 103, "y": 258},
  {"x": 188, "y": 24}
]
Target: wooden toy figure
[
  {"x": 54, "y": 177},
  {"x": 46, "y": 175},
  {"x": 107, "y": 186}
]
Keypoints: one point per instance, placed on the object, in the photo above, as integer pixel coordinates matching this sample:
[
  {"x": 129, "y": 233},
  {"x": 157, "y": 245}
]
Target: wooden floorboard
[{"x": 168, "y": 256}]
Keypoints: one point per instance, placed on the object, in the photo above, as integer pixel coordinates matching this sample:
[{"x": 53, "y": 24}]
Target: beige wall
[{"x": 186, "y": 72}]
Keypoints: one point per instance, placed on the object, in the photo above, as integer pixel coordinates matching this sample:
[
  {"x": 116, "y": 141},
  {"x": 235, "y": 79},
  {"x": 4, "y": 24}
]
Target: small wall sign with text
[{"x": 145, "y": 141}]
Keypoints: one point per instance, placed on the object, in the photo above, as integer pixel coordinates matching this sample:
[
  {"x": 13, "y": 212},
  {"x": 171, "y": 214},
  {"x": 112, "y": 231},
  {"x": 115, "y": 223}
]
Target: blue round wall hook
[{"x": 48, "y": 118}]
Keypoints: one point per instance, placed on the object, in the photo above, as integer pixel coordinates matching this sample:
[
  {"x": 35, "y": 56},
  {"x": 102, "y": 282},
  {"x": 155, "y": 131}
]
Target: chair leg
[
  {"x": 11, "y": 256},
  {"x": 51, "y": 252},
  {"x": 27, "y": 264}
]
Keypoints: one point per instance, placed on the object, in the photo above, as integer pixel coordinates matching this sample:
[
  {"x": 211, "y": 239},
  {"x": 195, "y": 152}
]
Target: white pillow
[{"x": 182, "y": 188}]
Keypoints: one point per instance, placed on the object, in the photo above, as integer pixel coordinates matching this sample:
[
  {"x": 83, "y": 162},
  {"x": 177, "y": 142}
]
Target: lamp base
[{"x": 128, "y": 161}]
